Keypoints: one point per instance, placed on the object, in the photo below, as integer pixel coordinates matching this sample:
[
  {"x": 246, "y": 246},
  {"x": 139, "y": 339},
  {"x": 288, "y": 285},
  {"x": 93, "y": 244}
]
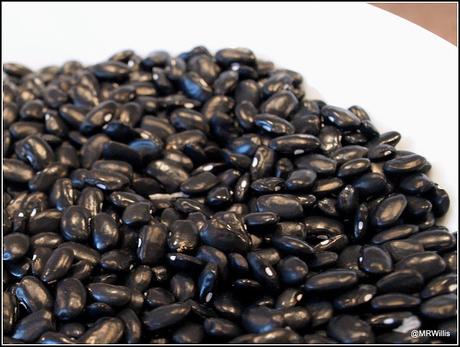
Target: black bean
[
  {"x": 188, "y": 333},
  {"x": 39, "y": 258},
  {"x": 92, "y": 149},
  {"x": 46, "y": 239},
  {"x": 82, "y": 252},
  {"x": 166, "y": 316},
  {"x": 263, "y": 271},
  {"x": 440, "y": 307},
  {"x": 75, "y": 224},
  {"x": 350, "y": 329},
  {"x": 226, "y": 236},
  {"x": 375, "y": 261},
  {"x": 289, "y": 298},
  {"x": 262, "y": 319},
  {"x": 110, "y": 294},
  {"x": 207, "y": 282},
  {"x": 428, "y": 264},
  {"x": 117, "y": 260},
  {"x": 104, "y": 331},
  {"x": 36, "y": 151},
  {"x": 221, "y": 328},
  {"x": 33, "y": 325},
  {"x": 370, "y": 184},
  {"x": 444, "y": 284},
  {"x": 15, "y": 246},
  {"x": 152, "y": 239},
  {"x": 451, "y": 261},
  {"x": 45, "y": 179},
  {"x": 434, "y": 239},
  {"x": 183, "y": 236},
  {"x": 17, "y": 171},
  {"x": 70, "y": 299},
  {"x": 106, "y": 180},
  {"x": 316, "y": 226},
  {"x": 401, "y": 281},
  {"x": 295, "y": 144},
  {"x": 167, "y": 173},
  {"x": 331, "y": 280},
  {"x": 440, "y": 201},
  {"x": 388, "y": 211},
  {"x": 33, "y": 294},
  {"x": 394, "y": 301},
  {"x": 405, "y": 164},
  {"x": 58, "y": 265},
  {"x": 355, "y": 297},
  {"x": 51, "y": 337}
]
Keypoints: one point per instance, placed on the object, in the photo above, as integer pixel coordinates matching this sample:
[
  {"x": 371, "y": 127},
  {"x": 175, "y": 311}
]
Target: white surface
[{"x": 406, "y": 77}]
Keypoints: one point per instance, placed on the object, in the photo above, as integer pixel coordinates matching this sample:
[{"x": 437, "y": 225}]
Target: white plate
[{"x": 406, "y": 77}]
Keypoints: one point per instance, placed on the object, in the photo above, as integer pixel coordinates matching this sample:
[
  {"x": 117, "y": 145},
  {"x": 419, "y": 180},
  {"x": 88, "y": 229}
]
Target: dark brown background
[{"x": 439, "y": 18}]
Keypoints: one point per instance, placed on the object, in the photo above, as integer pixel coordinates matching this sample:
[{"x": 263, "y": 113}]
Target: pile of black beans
[{"x": 204, "y": 199}]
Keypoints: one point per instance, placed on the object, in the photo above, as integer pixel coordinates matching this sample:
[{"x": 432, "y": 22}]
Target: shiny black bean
[
  {"x": 70, "y": 299},
  {"x": 262, "y": 319},
  {"x": 36, "y": 151},
  {"x": 226, "y": 235},
  {"x": 15, "y": 246},
  {"x": 167, "y": 173},
  {"x": 401, "y": 281},
  {"x": 375, "y": 261},
  {"x": 444, "y": 284},
  {"x": 110, "y": 294},
  {"x": 295, "y": 144},
  {"x": 33, "y": 294},
  {"x": 221, "y": 328},
  {"x": 395, "y": 233},
  {"x": 75, "y": 224},
  {"x": 183, "y": 287},
  {"x": 39, "y": 258},
  {"x": 451, "y": 261},
  {"x": 350, "y": 329},
  {"x": 440, "y": 307},
  {"x": 156, "y": 297},
  {"x": 46, "y": 239},
  {"x": 137, "y": 214},
  {"x": 388, "y": 211},
  {"x": 282, "y": 104},
  {"x": 405, "y": 164},
  {"x": 440, "y": 201},
  {"x": 428, "y": 264},
  {"x": 57, "y": 265},
  {"x": 33, "y": 325},
  {"x": 207, "y": 282},
  {"x": 188, "y": 333},
  {"x": 152, "y": 239},
  {"x": 117, "y": 260},
  {"x": 105, "y": 233},
  {"x": 263, "y": 272},
  {"x": 434, "y": 239},
  {"x": 104, "y": 331},
  {"x": 292, "y": 270},
  {"x": 355, "y": 297},
  {"x": 17, "y": 171},
  {"x": 51, "y": 337},
  {"x": 394, "y": 301},
  {"x": 331, "y": 280},
  {"x": 417, "y": 183},
  {"x": 370, "y": 184},
  {"x": 166, "y": 316},
  {"x": 183, "y": 236}
]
